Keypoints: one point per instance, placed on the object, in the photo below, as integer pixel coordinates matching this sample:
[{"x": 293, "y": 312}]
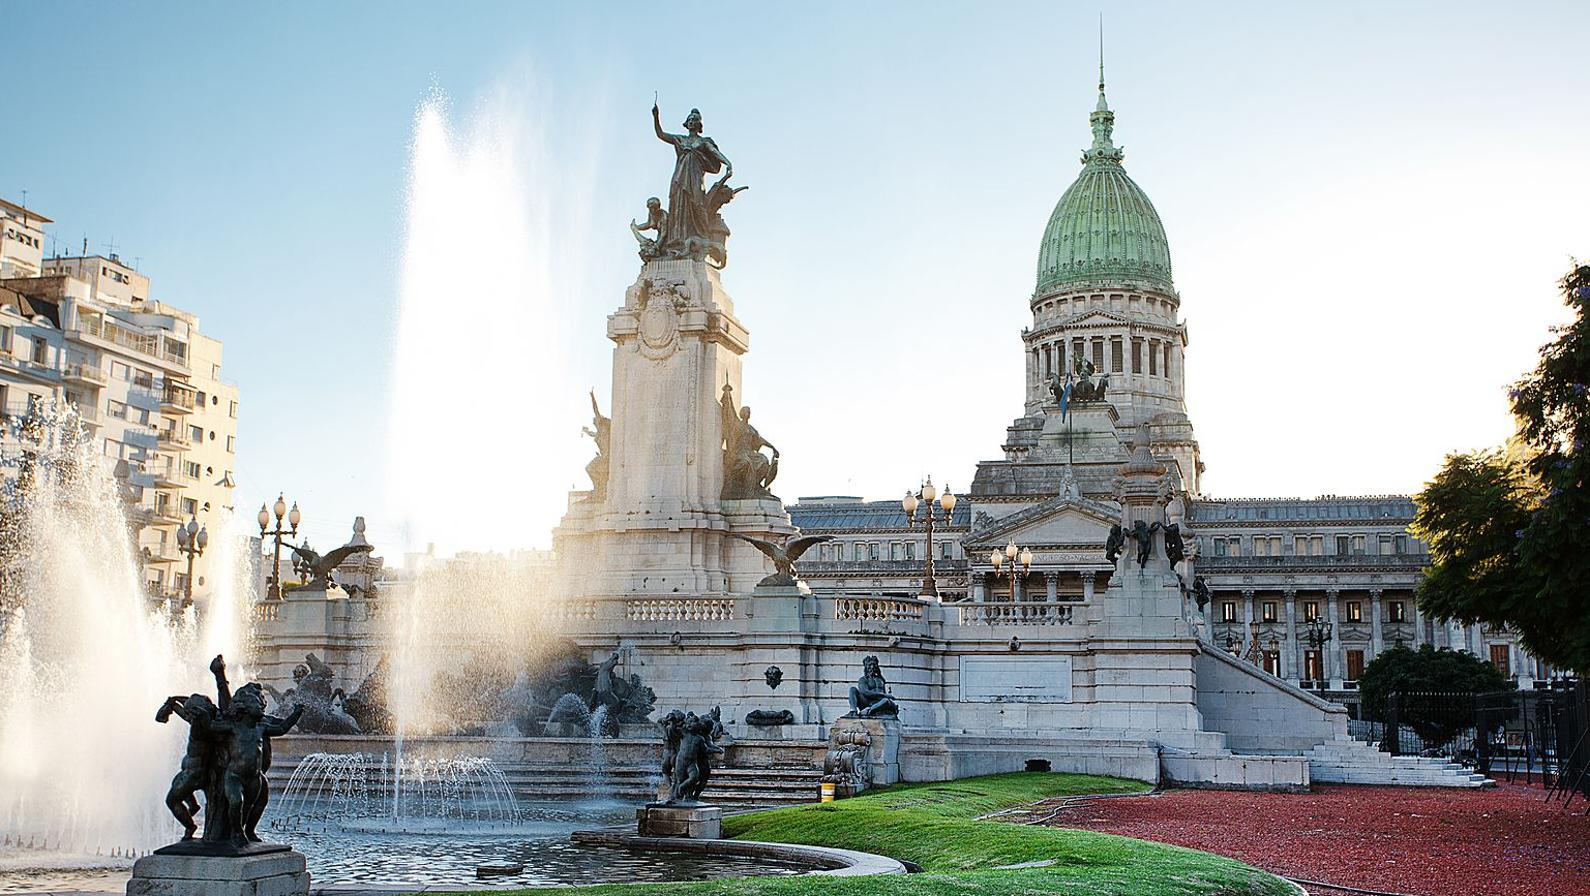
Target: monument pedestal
[
  {"x": 883, "y": 757},
  {"x": 696, "y": 822},
  {"x": 279, "y": 873}
]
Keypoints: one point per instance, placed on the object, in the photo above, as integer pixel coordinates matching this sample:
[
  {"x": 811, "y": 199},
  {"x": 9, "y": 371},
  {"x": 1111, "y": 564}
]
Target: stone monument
[{"x": 227, "y": 757}]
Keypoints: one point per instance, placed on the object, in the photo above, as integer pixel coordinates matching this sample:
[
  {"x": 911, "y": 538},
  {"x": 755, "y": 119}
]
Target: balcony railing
[
  {"x": 878, "y": 609},
  {"x": 679, "y": 609},
  {"x": 153, "y": 345},
  {"x": 1210, "y": 563},
  {"x": 176, "y": 399},
  {"x": 1017, "y": 613},
  {"x": 86, "y": 373},
  {"x": 172, "y": 438}
]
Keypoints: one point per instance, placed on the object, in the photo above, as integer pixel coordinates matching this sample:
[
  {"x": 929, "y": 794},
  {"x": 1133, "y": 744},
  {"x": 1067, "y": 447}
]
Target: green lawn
[{"x": 936, "y": 826}]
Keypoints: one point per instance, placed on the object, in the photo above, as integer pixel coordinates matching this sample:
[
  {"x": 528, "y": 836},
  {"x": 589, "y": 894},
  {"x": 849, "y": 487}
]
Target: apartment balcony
[
  {"x": 177, "y": 399},
  {"x": 86, "y": 374},
  {"x": 39, "y": 373},
  {"x": 174, "y": 439},
  {"x": 166, "y": 477},
  {"x": 164, "y": 514}
]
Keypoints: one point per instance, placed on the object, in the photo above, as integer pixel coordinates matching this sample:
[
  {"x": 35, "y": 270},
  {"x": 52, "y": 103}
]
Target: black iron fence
[{"x": 1537, "y": 736}]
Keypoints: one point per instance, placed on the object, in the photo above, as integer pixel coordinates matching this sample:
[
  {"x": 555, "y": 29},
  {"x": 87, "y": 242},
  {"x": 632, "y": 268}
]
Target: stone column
[
  {"x": 1289, "y": 655},
  {"x": 1015, "y": 583},
  {"x": 1087, "y": 585},
  {"x": 1418, "y": 621},
  {"x": 1332, "y": 670},
  {"x": 1247, "y": 606},
  {"x": 978, "y": 593},
  {"x": 1375, "y": 633},
  {"x": 1051, "y": 581}
]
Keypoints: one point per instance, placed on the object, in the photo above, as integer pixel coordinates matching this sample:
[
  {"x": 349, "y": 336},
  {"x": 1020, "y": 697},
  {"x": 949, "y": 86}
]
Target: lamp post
[
  {"x": 274, "y": 592},
  {"x": 1018, "y": 557},
  {"x": 1318, "y": 635},
  {"x": 191, "y": 540},
  {"x": 924, "y": 497}
]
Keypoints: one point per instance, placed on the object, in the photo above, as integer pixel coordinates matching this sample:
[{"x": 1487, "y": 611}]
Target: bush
[{"x": 1401, "y": 670}]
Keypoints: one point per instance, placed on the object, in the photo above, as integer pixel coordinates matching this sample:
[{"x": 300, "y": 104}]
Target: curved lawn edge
[{"x": 827, "y": 860}]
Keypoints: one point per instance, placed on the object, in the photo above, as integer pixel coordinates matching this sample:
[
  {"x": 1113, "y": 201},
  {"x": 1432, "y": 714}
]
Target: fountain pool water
[{"x": 356, "y": 791}]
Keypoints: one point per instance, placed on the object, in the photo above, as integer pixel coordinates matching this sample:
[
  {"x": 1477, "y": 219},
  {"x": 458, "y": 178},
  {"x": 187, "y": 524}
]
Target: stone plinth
[
  {"x": 884, "y": 755},
  {"x": 281, "y": 873},
  {"x": 697, "y": 822}
]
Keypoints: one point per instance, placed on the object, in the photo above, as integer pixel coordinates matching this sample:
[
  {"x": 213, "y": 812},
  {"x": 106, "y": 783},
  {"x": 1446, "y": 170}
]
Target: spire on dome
[{"x": 1102, "y": 119}]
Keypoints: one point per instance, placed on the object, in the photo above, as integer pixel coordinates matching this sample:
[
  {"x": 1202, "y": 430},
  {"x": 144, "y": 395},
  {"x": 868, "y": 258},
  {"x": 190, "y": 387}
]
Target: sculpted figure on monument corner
[
  {"x": 747, "y": 472},
  {"x": 602, "y": 435},
  {"x": 692, "y": 227}
]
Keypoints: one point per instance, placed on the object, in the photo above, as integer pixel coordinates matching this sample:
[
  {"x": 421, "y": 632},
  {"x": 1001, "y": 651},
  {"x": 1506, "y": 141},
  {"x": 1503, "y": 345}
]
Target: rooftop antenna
[
  {"x": 110, "y": 247},
  {"x": 24, "y": 208},
  {"x": 85, "y": 245}
]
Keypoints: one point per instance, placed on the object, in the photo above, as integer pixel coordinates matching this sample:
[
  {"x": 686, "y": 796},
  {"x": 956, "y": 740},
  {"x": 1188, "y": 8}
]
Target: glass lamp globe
[
  {"x": 1026, "y": 557},
  {"x": 294, "y": 516},
  {"x": 947, "y": 501},
  {"x": 908, "y": 503},
  {"x": 264, "y": 518},
  {"x": 182, "y": 536},
  {"x": 203, "y": 538},
  {"x": 929, "y": 492},
  {"x": 280, "y": 508},
  {"x": 1010, "y": 550},
  {"x": 997, "y": 558}
]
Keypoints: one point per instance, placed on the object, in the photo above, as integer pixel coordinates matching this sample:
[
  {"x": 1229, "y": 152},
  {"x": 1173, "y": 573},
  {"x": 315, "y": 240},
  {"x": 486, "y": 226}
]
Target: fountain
[
  {"x": 357, "y": 791},
  {"x": 82, "y": 644}
]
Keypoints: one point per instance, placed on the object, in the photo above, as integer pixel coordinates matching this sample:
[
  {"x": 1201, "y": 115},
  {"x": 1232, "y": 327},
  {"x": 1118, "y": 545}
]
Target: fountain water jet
[{"x": 86, "y": 657}]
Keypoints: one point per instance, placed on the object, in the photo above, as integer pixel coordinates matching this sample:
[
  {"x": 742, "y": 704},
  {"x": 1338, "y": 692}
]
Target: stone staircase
[{"x": 1347, "y": 760}]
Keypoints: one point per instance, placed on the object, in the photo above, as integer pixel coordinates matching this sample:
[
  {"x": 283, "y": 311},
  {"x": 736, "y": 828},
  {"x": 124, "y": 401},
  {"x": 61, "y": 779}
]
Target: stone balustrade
[
  {"x": 879, "y": 609},
  {"x": 1017, "y": 613},
  {"x": 687, "y": 609}
]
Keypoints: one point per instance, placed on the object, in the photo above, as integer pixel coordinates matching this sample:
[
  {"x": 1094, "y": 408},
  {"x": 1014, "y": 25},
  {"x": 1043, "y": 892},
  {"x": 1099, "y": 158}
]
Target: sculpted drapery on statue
[
  {"x": 692, "y": 226},
  {"x": 597, "y": 469},
  {"x": 747, "y": 472}
]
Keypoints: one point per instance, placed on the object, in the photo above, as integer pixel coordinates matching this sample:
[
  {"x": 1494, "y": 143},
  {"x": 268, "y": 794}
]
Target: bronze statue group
[{"x": 229, "y": 751}]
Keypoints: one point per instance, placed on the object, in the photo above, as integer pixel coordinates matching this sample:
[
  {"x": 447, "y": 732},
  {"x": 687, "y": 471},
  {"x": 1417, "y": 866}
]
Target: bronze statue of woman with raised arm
[{"x": 688, "y": 227}]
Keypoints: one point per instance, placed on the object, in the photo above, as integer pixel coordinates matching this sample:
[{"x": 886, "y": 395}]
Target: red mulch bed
[{"x": 1506, "y": 841}]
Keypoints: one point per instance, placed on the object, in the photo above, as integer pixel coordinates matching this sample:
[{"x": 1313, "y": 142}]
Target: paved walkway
[{"x": 1506, "y": 841}]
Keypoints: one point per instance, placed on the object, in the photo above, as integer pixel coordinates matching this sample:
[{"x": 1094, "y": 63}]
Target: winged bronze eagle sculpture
[
  {"x": 321, "y": 566},
  {"x": 784, "y": 556}
]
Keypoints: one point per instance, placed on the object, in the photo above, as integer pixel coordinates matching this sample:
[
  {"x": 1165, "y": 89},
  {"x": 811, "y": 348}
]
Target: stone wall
[{"x": 1260, "y": 713}]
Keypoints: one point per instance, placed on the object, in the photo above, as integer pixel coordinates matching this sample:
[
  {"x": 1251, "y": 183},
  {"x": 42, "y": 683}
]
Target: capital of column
[
  {"x": 1290, "y": 593},
  {"x": 1333, "y": 593},
  {"x": 1247, "y": 593},
  {"x": 1374, "y": 593}
]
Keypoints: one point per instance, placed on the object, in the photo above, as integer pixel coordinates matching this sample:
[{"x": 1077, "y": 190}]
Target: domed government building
[{"x": 1308, "y": 589}]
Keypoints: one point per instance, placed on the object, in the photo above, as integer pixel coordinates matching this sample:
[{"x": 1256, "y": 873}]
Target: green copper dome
[{"x": 1103, "y": 230}]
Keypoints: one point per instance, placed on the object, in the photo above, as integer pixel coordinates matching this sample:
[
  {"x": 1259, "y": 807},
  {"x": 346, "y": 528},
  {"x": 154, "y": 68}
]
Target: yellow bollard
[{"x": 828, "y": 791}]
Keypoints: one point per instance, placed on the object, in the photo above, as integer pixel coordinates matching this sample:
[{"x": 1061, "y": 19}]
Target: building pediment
[
  {"x": 1096, "y": 317},
  {"x": 1062, "y": 520}
]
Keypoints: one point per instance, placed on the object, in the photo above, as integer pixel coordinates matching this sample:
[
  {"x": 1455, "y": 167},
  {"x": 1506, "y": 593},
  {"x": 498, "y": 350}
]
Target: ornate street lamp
[
  {"x": 1318, "y": 635},
  {"x": 924, "y": 498},
  {"x": 1020, "y": 564},
  {"x": 274, "y": 592},
  {"x": 191, "y": 540}
]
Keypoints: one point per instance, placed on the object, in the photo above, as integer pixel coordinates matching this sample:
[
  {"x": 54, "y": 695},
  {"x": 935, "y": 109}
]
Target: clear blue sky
[{"x": 1367, "y": 204}]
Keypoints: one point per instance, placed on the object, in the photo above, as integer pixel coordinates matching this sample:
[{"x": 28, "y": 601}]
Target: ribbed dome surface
[{"x": 1104, "y": 229}]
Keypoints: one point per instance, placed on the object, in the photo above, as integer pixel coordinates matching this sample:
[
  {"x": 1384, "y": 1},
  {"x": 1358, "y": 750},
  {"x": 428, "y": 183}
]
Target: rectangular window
[
  {"x": 1313, "y": 665},
  {"x": 41, "y": 350},
  {"x": 1167, "y": 359},
  {"x": 5, "y": 339},
  {"x": 1397, "y": 611},
  {"x": 1355, "y": 665},
  {"x": 1355, "y": 611},
  {"x": 1501, "y": 658},
  {"x": 872, "y": 550},
  {"x": 1310, "y": 610},
  {"x": 1137, "y": 356},
  {"x": 1275, "y": 545},
  {"x": 910, "y": 550},
  {"x": 1117, "y": 361},
  {"x": 896, "y": 551},
  {"x": 944, "y": 550},
  {"x": 1401, "y": 544},
  {"x": 199, "y": 401},
  {"x": 1300, "y": 545},
  {"x": 233, "y": 410},
  {"x": 1236, "y": 546},
  {"x": 1358, "y": 546},
  {"x": 1269, "y": 610},
  {"x": 1261, "y": 546},
  {"x": 1272, "y": 662},
  {"x": 1228, "y": 611},
  {"x": 231, "y": 444},
  {"x": 143, "y": 378},
  {"x": 191, "y": 469},
  {"x": 190, "y": 507},
  {"x": 196, "y": 433},
  {"x": 114, "y": 408},
  {"x": 1316, "y": 546},
  {"x": 1098, "y": 354},
  {"x": 1385, "y": 545},
  {"x": 1220, "y": 547},
  {"x": 1153, "y": 359}
]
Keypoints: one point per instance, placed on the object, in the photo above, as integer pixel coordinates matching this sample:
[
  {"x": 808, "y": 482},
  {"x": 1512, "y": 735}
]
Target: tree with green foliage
[
  {"x": 1509, "y": 531},
  {"x": 1402, "y": 670}
]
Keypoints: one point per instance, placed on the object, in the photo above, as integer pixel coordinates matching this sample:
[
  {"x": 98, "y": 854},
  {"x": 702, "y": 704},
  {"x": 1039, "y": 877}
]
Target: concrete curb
[{"x": 830, "y": 862}]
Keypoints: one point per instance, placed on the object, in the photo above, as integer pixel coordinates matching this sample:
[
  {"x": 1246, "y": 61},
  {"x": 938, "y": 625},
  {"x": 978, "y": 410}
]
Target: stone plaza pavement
[{"x": 1506, "y": 841}]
